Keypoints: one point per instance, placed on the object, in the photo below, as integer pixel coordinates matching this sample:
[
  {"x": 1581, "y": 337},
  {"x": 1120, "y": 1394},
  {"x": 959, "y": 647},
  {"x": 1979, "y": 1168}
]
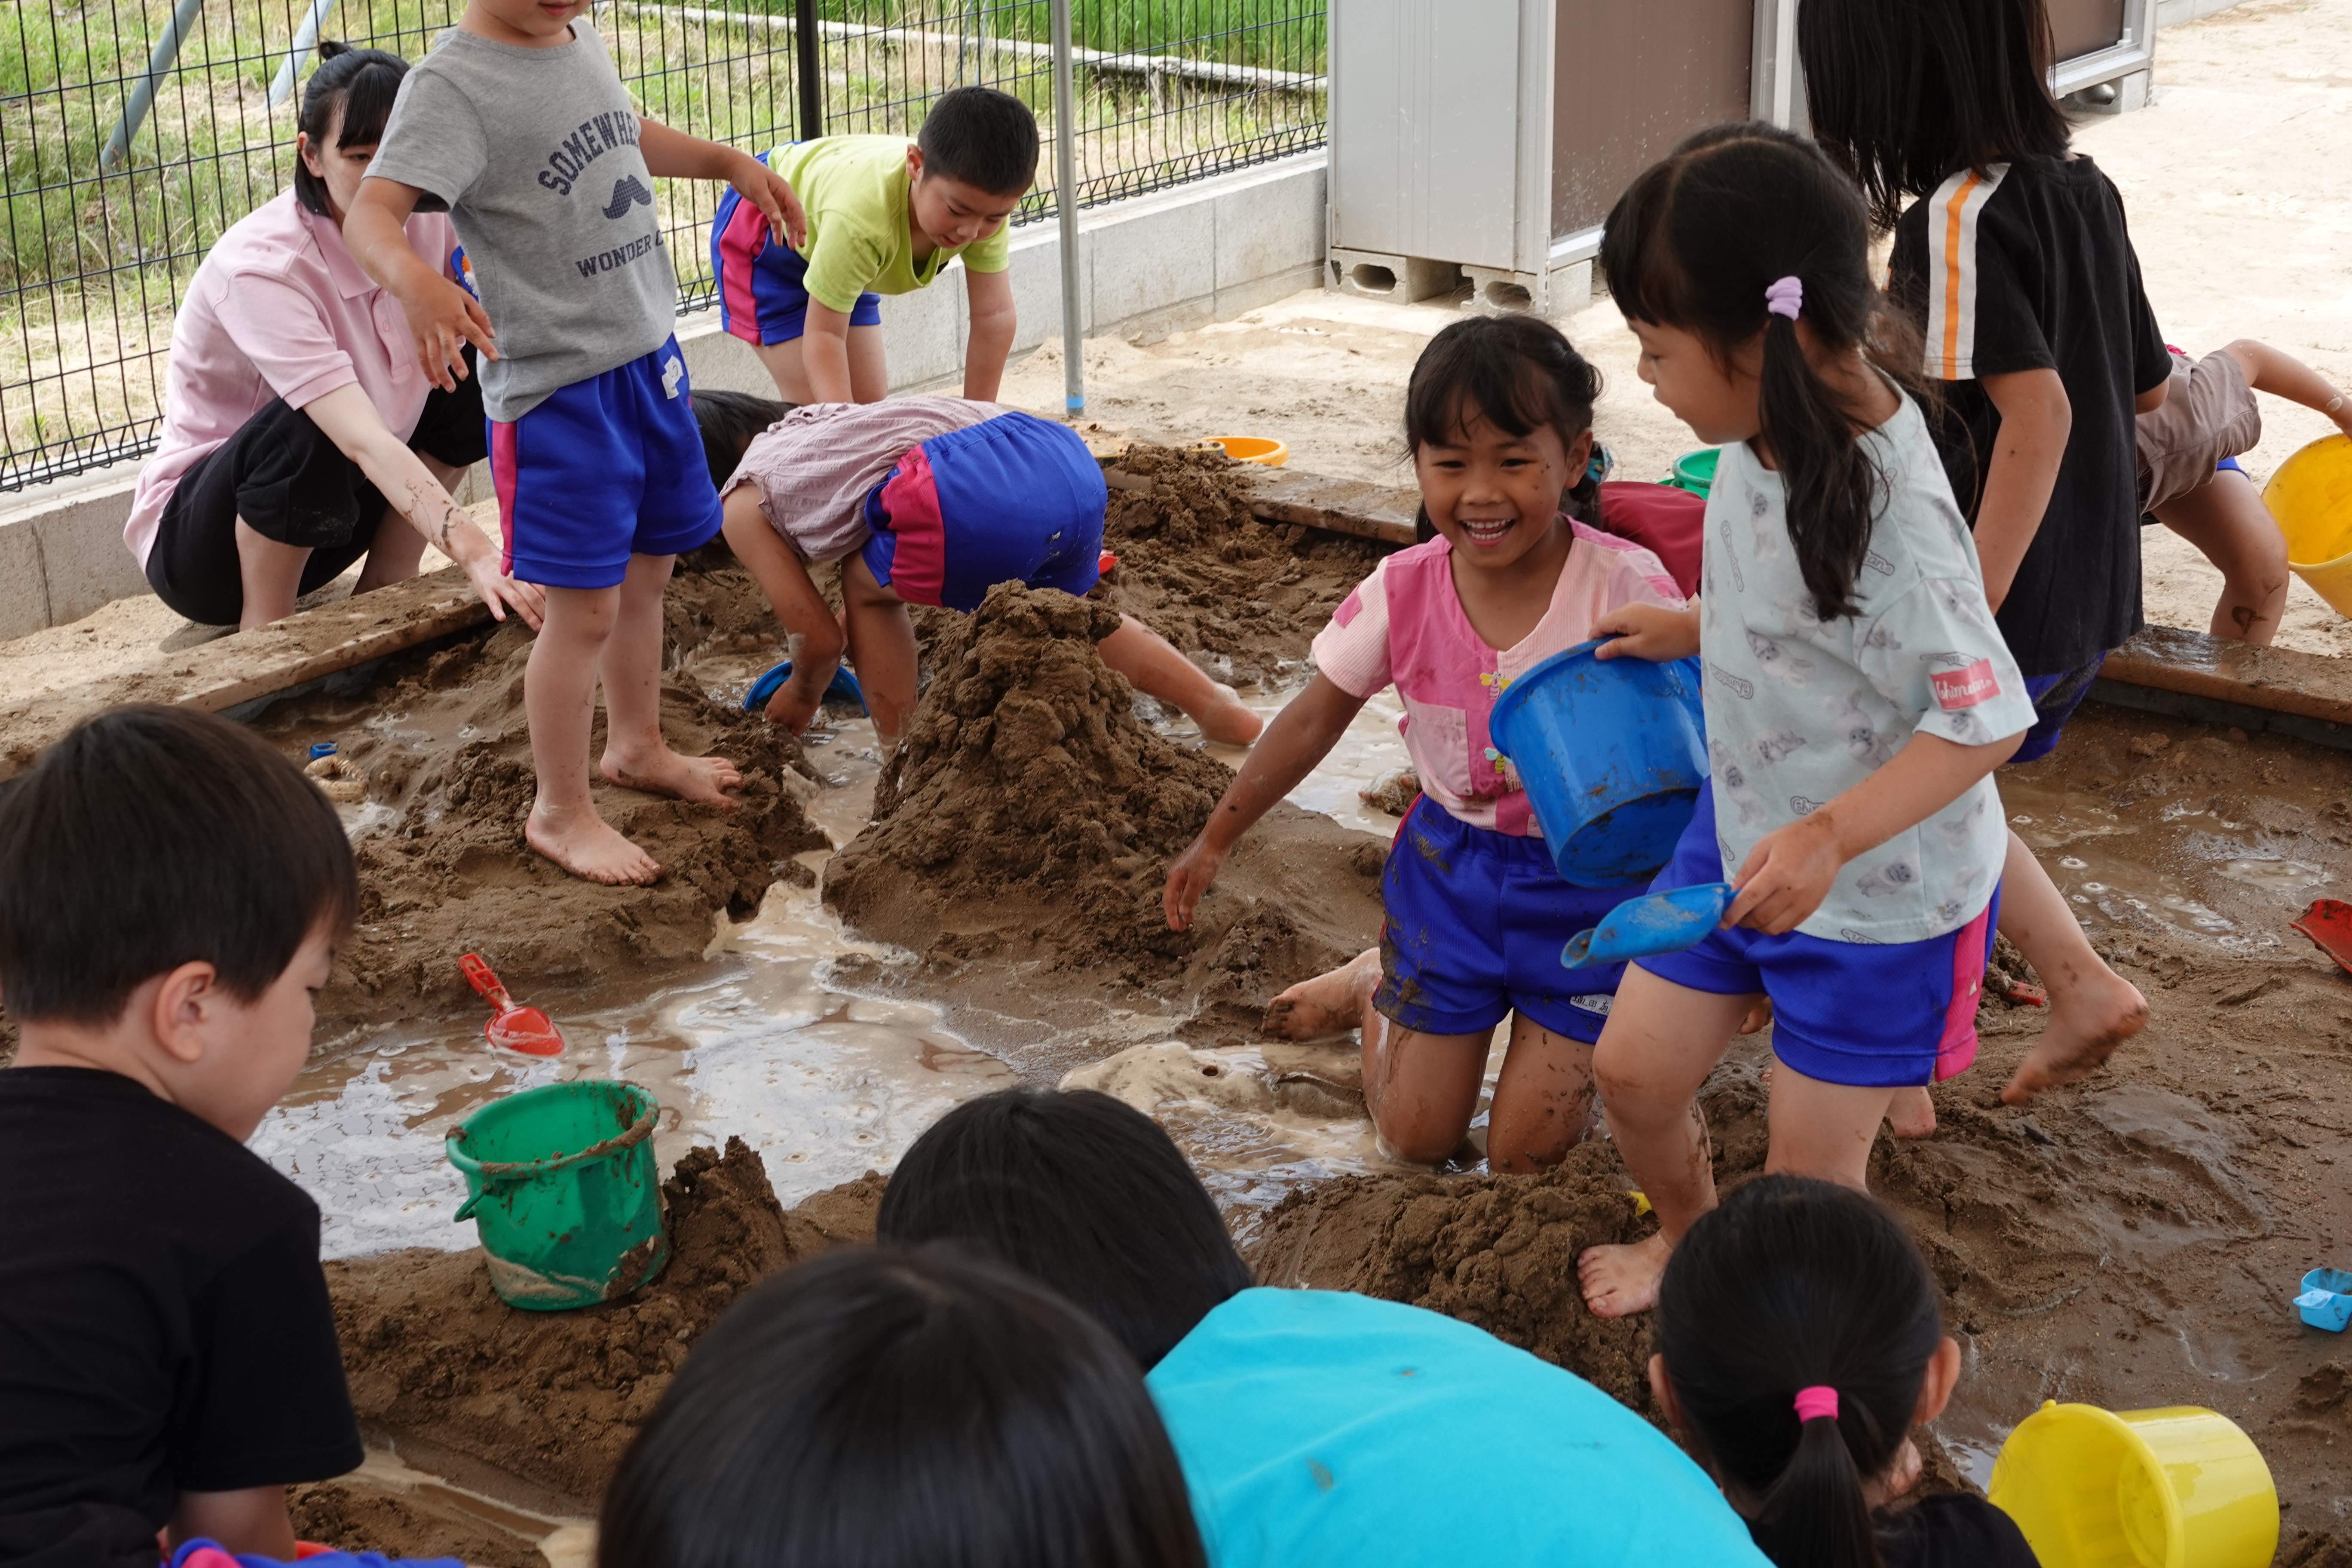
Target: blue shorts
[
  {"x": 1473, "y": 924},
  {"x": 2054, "y": 698},
  {"x": 1871, "y": 1014},
  {"x": 762, "y": 294},
  {"x": 603, "y": 470},
  {"x": 1016, "y": 498}
]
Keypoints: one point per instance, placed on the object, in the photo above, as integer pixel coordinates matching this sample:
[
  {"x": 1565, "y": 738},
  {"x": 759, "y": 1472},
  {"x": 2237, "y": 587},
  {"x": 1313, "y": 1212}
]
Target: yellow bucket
[
  {"x": 2311, "y": 498},
  {"x": 2176, "y": 1488},
  {"x": 1253, "y": 449}
]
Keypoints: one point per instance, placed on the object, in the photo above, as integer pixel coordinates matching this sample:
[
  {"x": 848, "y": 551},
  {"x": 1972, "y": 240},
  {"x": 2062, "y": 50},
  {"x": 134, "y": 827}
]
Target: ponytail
[
  {"x": 1711, "y": 241},
  {"x": 1796, "y": 1323}
]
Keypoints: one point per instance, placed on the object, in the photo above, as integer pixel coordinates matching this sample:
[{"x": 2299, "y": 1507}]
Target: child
[
  {"x": 2016, "y": 263},
  {"x": 1479, "y": 1453},
  {"x": 518, "y": 124},
  {"x": 1857, "y": 695},
  {"x": 171, "y": 893},
  {"x": 923, "y": 500},
  {"x": 884, "y": 218},
  {"x": 1798, "y": 1345},
  {"x": 881, "y": 1407},
  {"x": 2189, "y": 480},
  {"x": 1499, "y": 418}
]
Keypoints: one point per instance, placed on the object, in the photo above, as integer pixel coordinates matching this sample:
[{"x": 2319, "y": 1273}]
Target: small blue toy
[
  {"x": 324, "y": 749},
  {"x": 2327, "y": 1299},
  {"x": 1649, "y": 925},
  {"x": 842, "y": 689}
]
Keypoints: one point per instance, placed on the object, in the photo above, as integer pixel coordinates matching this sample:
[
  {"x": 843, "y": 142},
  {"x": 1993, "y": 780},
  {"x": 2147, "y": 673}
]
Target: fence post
[
  {"x": 306, "y": 39},
  {"x": 1065, "y": 211},
  {"x": 812, "y": 69},
  {"x": 143, "y": 96}
]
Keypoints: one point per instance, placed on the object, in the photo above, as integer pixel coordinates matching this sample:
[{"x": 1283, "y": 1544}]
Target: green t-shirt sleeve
[
  {"x": 993, "y": 254},
  {"x": 847, "y": 250}
]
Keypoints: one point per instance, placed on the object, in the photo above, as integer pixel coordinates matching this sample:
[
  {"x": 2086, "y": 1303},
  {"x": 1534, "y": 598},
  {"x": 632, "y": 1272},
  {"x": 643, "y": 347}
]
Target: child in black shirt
[
  {"x": 171, "y": 890},
  {"x": 2015, "y": 260},
  {"x": 1806, "y": 1301}
]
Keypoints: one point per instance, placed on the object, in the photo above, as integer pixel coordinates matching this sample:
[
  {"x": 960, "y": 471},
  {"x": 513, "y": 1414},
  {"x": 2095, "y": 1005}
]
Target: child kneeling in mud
[
  {"x": 1499, "y": 418},
  {"x": 923, "y": 500}
]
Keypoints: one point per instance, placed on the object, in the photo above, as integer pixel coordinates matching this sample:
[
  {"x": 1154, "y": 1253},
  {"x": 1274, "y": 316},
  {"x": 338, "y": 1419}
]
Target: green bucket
[
  {"x": 1695, "y": 471},
  {"x": 563, "y": 1185}
]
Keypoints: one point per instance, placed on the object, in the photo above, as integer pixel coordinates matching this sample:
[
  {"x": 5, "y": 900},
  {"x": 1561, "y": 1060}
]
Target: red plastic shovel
[
  {"x": 2329, "y": 923},
  {"x": 524, "y": 1029}
]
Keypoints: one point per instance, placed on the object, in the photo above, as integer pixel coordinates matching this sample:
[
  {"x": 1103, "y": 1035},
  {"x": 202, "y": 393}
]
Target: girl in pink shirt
[{"x": 1499, "y": 418}]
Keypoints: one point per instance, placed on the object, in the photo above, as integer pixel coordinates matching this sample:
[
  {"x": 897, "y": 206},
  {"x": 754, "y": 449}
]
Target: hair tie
[
  {"x": 1785, "y": 297},
  {"x": 1816, "y": 1402}
]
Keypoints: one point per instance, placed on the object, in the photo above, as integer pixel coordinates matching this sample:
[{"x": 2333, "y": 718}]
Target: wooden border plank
[{"x": 2313, "y": 686}]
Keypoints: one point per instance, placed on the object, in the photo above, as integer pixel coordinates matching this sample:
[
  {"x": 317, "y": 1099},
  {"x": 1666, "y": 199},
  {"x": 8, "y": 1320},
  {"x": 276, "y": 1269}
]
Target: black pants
[{"x": 289, "y": 483}]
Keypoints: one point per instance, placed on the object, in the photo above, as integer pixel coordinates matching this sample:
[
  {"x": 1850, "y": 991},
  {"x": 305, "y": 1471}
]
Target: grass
[{"x": 91, "y": 263}]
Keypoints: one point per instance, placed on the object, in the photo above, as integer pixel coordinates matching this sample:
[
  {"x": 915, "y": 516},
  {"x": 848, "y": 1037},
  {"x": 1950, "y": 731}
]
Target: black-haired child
[
  {"x": 2014, "y": 259},
  {"x": 1314, "y": 1426},
  {"x": 884, "y": 216},
  {"x": 1857, "y": 694},
  {"x": 923, "y": 500},
  {"x": 1799, "y": 1345},
  {"x": 888, "y": 1407},
  {"x": 1498, "y": 419},
  {"x": 170, "y": 892}
]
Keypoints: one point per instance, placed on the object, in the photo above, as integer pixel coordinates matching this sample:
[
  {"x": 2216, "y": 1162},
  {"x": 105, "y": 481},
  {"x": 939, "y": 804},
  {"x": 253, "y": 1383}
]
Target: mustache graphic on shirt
[{"x": 627, "y": 192}]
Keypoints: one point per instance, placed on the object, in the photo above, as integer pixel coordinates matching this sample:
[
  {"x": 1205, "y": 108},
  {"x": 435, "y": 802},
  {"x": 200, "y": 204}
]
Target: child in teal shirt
[{"x": 884, "y": 218}]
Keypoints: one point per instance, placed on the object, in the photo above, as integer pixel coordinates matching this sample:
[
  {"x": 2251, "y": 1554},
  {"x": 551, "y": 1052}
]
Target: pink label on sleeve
[{"x": 1965, "y": 687}]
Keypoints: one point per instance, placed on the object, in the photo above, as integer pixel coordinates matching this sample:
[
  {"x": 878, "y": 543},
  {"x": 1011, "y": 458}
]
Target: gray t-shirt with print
[
  {"x": 1799, "y": 711},
  {"x": 534, "y": 152}
]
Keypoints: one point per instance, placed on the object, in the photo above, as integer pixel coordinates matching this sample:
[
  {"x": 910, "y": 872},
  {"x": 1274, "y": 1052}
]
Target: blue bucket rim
[
  {"x": 1513, "y": 695},
  {"x": 505, "y": 1173}
]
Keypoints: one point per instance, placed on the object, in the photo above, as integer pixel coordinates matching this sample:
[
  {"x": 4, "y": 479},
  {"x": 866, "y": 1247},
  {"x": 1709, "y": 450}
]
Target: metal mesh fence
[{"x": 131, "y": 136}]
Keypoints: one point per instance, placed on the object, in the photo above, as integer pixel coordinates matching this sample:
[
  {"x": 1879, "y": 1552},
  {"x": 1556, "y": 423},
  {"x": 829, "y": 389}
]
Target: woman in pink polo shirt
[{"x": 299, "y": 434}]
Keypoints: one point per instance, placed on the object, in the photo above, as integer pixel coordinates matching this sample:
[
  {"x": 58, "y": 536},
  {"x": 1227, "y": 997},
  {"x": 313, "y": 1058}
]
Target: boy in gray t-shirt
[{"x": 519, "y": 125}]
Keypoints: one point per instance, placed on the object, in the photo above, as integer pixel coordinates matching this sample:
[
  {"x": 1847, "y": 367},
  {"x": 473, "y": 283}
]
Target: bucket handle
[{"x": 494, "y": 1175}]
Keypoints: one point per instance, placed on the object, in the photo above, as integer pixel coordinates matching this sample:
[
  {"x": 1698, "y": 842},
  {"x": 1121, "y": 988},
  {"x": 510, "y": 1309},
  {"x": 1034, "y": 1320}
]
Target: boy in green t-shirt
[{"x": 884, "y": 218}]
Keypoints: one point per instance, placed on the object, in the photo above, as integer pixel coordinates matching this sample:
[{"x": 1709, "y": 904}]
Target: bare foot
[
  {"x": 1760, "y": 1013},
  {"x": 1329, "y": 1005},
  {"x": 1229, "y": 722},
  {"x": 1911, "y": 1114},
  {"x": 1620, "y": 1280},
  {"x": 587, "y": 845},
  {"x": 699, "y": 779},
  {"x": 2086, "y": 1024}
]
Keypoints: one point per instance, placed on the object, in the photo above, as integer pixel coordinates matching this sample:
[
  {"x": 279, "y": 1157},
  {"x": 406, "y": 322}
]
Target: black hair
[
  {"x": 896, "y": 1408},
  {"x": 984, "y": 138},
  {"x": 1906, "y": 93},
  {"x": 152, "y": 837},
  {"x": 1694, "y": 242},
  {"x": 1794, "y": 1283},
  {"x": 1518, "y": 372},
  {"x": 727, "y": 421},
  {"x": 364, "y": 82},
  {"x": 1082, "y": 1190}
]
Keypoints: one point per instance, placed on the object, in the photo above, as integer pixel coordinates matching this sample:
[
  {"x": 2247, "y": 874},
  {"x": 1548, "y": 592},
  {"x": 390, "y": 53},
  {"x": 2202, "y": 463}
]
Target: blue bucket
[{"x": 1612, "y": 754}]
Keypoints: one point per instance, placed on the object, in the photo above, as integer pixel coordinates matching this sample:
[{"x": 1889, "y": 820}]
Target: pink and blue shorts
[
  {"x": 1016, "y": 498},
  {"x": 603, "y": 470},
  {"x": 762, "y": 291},
  {"x": 1871, "y": 1014},
  {"x": 1473, "y": 924}
]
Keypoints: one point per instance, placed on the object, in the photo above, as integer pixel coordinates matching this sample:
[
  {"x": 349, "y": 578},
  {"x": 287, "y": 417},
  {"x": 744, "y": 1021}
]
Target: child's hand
[
  {"x": 772, "y": 195},
  {"x": 1188, "y": 881},
  {"x": 1787, "y": 875},
  {"x": 802, "y": 694},
  {"x": 1648, "y": 631},
  {"x": 443, "y": 319}
]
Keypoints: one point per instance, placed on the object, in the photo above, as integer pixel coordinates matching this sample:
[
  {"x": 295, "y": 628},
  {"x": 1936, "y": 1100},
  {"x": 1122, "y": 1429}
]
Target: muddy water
[{"x": 826, "y": 1079}]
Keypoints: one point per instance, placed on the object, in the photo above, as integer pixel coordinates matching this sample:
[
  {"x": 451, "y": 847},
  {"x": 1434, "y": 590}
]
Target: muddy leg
[
  {"x": 1656, "y": 1051},
  {"x": 636, "y": 755},
  {"x": 1421, "y": 1089},
  {"x": 1822, "y": 1129},
  {"x": 1332, "y": 1003},
  {"x": 1911, "y": 1113},
  {"x": 559, "y": 694},
  {"x": 2092, "y": 1008},
  {"x": 1152, "y": 666},
  {"x": 1543, "y": 1100}
]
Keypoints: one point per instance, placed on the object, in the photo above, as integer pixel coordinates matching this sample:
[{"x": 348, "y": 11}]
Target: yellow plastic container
[
  {"x": 2311, "y": 498},
  {"x": 2176, "y": 1488},
  {"x": 1253, "y": 449}
]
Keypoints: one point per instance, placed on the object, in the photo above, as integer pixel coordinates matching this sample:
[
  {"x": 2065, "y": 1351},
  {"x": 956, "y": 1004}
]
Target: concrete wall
[{"x": 1159, "y": 264}]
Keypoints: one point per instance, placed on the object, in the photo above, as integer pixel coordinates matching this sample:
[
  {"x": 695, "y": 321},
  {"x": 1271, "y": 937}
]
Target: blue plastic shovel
[
  {"x": 1649, "y": 925},
  {"x": 843, "y": 687}
]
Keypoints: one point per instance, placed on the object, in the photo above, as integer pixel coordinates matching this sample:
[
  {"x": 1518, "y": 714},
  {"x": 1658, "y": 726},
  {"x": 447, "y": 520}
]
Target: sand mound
[
  {"x": 552, "y": 1399},
  {"x": 356, "y": 1516},
  {"x": 440, "y": 739}
]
